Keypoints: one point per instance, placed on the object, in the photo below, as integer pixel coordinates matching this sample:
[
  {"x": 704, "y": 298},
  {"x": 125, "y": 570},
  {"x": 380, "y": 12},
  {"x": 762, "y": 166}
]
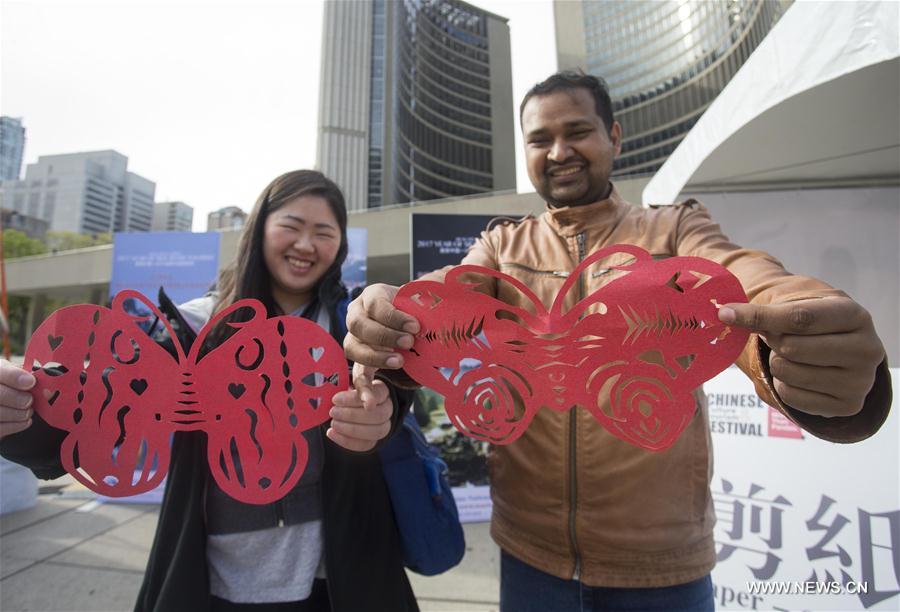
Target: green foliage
[
  {"x": 66, "y": 241},
  {"x": 18, "y": 311},
  {"x": 17, "y": 244}
]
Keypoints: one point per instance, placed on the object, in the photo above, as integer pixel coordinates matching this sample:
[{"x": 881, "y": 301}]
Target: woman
[{"x": 331, "y": 543}]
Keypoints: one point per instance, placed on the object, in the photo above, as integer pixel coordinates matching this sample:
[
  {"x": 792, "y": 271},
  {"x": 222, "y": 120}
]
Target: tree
[
  {"x": 18, "y": 244},
  {"x": 66, "y": 241}
]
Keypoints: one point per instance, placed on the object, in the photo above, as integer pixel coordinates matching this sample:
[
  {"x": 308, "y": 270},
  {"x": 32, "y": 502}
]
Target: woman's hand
[
  {"x": 15, "y": 399},
  {"x": 358, "y": 424}
]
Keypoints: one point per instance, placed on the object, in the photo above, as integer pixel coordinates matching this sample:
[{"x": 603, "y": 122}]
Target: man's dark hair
[{"x": 568, "y": 80}]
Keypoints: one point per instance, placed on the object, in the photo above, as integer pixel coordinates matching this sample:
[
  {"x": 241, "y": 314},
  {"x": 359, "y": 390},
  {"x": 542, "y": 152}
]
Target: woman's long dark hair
[{"x": 249, "y": 277}]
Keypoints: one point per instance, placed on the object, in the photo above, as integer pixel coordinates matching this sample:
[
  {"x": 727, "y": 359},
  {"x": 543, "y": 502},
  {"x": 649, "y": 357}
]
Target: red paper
[
  {"x": 644, "y": 341},
  {"x": 120, "y": 396}
]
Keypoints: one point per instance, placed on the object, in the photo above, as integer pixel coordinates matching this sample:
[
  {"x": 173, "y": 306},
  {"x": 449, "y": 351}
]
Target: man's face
[{"x": 568, "y": 151}]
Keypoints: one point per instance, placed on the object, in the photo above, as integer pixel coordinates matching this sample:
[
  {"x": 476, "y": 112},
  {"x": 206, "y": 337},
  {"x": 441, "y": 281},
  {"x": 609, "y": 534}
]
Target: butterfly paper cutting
[
  {"x": 631, "y": 353},
  {"x": 120, "y": 396}
]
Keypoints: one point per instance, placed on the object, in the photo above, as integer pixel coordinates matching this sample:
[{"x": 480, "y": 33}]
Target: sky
[{"x": 210, "y": 99}]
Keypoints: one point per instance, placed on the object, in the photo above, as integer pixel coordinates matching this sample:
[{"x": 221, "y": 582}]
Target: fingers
[
  {"x": 376, "y": 334},
  {"x": 827, "y": 374},
  {"x": 812, "y": 402},
  {"x": 14, "y": 415},
  {"x": 352, "y": 398},
  {"x": 803, "y": 317},
  {"x": 15, "y": 377},
  {"x": 357, "y": 415},
  {"x": 7, "y": 429},
  {"x": 364, "y": 382},
  {"x": 378, "y": 304},
  {"x": 372, "y": 356},
  {"x": 375, "y": 328},
  {"x": 830, "y": 350},
  {"x": 15, "y": 399},
  {"x": 357, "y": 427},
  {"x": 837, "y": 383}
]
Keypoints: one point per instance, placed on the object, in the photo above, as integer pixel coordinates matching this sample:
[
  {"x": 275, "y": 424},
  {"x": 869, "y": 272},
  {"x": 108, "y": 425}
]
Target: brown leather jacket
[{"x": 570, "y": 498}]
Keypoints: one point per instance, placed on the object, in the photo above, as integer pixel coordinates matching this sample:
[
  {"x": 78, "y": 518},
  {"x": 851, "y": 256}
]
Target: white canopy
[{"x": 817, "y": 102}]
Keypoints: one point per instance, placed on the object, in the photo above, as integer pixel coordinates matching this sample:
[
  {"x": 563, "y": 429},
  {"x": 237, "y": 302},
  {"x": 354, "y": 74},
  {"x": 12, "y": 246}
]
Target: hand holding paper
[
  {"x": 824, "y": 351},
  {"x": 358, "y": 422},
  {"x": 375, "y": 328},
  {"x": 15, "y": 399}
]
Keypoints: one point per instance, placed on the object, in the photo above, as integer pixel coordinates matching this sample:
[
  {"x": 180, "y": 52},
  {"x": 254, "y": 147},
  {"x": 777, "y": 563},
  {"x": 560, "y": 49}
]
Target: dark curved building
[
  {"x": 664, "y": 62},
  {"x": 416, "y": 101}
]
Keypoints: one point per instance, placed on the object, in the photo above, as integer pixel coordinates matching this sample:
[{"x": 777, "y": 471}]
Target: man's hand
[
  {"x": 359, "y": 421},
  {"x": 15, "y": 399},
  {"x": 375, "y": 329},
  {"x": 824, "y": 351}
]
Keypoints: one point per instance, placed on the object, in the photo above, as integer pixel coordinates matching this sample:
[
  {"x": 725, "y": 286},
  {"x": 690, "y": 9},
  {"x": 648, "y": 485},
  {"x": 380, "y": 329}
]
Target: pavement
[{"x": 71, "y": 552}]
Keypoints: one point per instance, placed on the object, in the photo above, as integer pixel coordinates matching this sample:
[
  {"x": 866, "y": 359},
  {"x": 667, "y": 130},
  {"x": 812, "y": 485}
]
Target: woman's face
[{"x": 300, "y": 242}]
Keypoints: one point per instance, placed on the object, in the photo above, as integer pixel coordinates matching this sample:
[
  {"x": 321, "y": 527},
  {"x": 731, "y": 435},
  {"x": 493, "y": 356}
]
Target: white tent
[{"x": 816, "y": 104}]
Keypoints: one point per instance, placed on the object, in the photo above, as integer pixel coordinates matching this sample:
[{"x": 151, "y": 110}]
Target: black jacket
[{"x": 361, "y": 544}]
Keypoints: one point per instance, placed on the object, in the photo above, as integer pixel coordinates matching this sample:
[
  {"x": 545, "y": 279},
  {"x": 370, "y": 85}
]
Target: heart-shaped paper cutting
[
  {"x": 120, "y": 396},
  {"x": 631, "y": 353}
]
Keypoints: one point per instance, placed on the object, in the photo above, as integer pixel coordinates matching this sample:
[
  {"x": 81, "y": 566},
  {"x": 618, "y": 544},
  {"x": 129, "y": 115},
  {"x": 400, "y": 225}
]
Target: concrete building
[
  {"x": 30, "y": 226},
  {"x": 228, "y": 218},
  {"x": 416, "y": 101},
  {"x": 12, "y": 148},
  {"x": 664, "y": 62},
  {"x": 86, "y": 193},
  {"x": 172, "y": 217}
]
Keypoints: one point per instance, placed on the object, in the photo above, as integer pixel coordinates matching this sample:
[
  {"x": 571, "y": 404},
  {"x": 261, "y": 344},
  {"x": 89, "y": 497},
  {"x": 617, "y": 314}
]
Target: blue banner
[
  {"x": 353, "y": 272},
  {"x": 183, "y": 263}
]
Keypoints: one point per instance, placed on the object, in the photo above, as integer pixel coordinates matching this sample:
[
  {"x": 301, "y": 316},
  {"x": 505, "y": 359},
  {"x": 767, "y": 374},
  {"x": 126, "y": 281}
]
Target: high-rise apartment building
[
  {"x": 87, "y": 193},
  {"x": 228, "y": 218},
  {"x": 12, "y": 148},
  {"x": 416, "y": 101},
  {"x": 172, "y": 217},
  {"x": 664, "y": 62}
]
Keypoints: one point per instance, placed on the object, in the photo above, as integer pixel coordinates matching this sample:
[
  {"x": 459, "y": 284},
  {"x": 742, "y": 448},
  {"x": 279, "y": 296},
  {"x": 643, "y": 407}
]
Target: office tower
[
  {"x": 664, "y": 62},
  {"x": 12, "y": 147},
  {"x": 228, "y": 218},
  {"x": 415, "y": 102},
  {"x": 87, "y": 193},
  {"x": 172, "y": 217}
]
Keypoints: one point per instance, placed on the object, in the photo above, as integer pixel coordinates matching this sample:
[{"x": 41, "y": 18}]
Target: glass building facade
[
  {"x": 442, "y": 140},
  {"x": 665, "y": 62},
  {"x": 12, "y": 148},
  {"x": 438, "y": 92}
]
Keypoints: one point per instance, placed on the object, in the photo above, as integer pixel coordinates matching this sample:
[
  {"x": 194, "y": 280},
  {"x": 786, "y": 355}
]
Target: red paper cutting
[
  {"x": 120, "y": 395},
  {"x": 631, "y": 353}
]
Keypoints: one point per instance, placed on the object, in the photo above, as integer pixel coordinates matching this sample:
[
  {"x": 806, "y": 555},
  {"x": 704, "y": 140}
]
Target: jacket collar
[{"x": 571, "y": 220}]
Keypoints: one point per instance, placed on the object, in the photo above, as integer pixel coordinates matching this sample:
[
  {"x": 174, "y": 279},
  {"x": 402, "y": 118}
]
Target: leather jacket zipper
[
  {"x": 518, "y": 266},
  {"x": 573, "y": 431}
]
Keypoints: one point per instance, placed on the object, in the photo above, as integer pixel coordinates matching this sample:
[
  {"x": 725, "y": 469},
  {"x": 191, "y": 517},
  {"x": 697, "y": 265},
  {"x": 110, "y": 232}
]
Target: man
[{"x": 585, "y": 520}]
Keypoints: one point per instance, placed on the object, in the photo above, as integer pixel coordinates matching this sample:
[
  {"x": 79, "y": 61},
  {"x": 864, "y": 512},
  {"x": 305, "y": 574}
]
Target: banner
[
  {"x": 442, "y": 240},
  {"x": 802, "y": 524},
  {"x": 353, "y": 272},
  {"x": 185, "y": 264},
  {"x": 466, "y": 458}
]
